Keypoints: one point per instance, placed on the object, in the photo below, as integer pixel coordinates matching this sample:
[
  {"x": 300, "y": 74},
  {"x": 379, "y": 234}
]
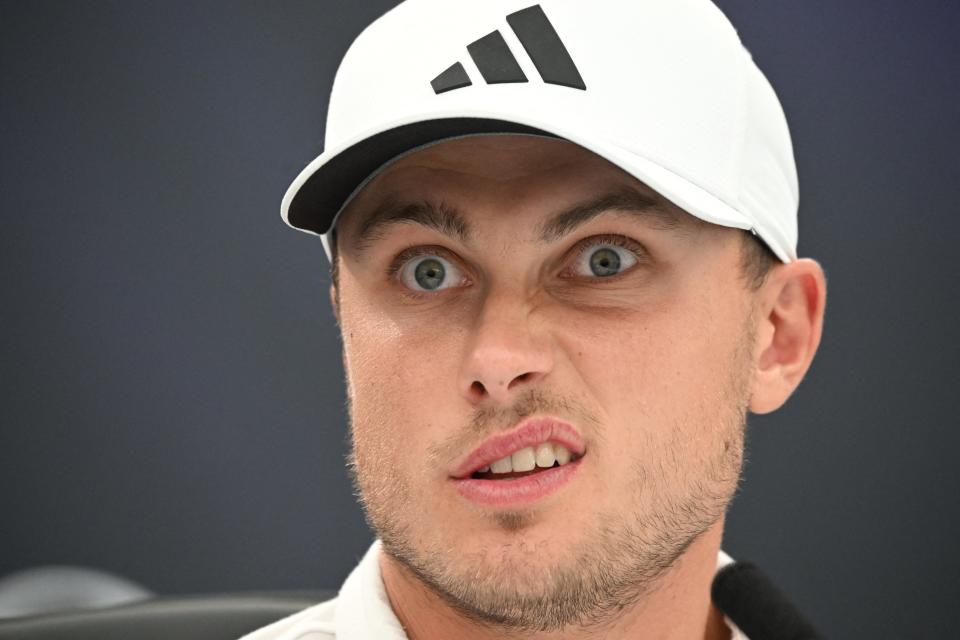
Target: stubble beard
[{"x": 612, "y": 566}]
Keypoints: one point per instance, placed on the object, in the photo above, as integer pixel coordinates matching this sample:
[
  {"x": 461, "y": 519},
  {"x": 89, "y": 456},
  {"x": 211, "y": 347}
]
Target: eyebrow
[
  {"x": 625, "y": 199},
  {"x": 438, "y": 216},
  {"x": 449, "y": 221}
]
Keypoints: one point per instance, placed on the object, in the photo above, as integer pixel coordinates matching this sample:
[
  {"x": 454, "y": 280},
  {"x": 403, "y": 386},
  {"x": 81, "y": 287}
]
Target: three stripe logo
[{"x": 497, "y": 64}]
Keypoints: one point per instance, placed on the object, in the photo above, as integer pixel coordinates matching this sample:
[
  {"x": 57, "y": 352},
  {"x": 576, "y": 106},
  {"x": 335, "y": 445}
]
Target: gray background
[{"x": 172, "y": 402}]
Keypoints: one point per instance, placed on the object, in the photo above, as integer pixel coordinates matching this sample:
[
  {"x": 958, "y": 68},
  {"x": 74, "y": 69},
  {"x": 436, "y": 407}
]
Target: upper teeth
[{"x": 543, "y": 455}]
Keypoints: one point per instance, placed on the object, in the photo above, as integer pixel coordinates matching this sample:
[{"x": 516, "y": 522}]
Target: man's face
[{"x": 488, "y": 284}]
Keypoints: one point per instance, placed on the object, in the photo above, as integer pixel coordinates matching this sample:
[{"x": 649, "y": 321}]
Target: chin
[{"x": 530, "y": 549}]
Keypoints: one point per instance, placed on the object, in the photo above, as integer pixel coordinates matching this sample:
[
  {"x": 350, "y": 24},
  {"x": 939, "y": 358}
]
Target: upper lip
[{"x": 528, "y": 433}]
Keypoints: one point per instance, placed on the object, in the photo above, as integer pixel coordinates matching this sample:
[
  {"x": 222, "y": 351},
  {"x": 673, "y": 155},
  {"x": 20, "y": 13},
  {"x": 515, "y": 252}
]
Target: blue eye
[
  {"x": 429, "y": 273},
  {"x": 602, "y": 260}
]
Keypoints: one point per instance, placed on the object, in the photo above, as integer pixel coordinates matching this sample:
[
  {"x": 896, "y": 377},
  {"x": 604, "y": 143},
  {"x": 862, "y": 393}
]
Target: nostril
[
  {"x": 478, "y": 391},
  {"x": 523, "y": 377}
]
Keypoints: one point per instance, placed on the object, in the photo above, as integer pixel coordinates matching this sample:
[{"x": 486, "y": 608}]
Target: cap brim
[
  {"x": 319, "y": 193},
  {"x": 324, "y": 187}
]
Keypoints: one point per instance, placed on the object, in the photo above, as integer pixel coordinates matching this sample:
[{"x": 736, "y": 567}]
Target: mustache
[{"x": 488, "y": 420}]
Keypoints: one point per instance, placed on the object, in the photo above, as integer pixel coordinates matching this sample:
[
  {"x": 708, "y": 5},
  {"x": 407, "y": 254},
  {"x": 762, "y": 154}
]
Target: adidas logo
[{"x": 497, "y": 64}]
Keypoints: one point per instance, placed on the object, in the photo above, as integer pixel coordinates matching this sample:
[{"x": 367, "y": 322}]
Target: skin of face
[{"x": 655, "y": 366}]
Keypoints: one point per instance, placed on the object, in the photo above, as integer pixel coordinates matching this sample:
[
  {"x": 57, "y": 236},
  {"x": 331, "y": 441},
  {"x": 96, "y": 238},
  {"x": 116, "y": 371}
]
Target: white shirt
[{"x": 361, "y": 611}]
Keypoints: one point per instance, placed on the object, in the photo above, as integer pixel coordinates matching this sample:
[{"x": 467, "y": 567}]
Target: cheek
[
  {"x": 398, "y": 375},
  {"x": 400, "y": 363},
  {"x": 660, "y": 369}
]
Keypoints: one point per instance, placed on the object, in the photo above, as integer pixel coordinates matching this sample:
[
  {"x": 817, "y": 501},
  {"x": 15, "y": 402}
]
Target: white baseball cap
[{"x": 664, "y": 89}]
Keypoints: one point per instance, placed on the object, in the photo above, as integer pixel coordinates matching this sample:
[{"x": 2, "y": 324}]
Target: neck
[{"x": 679, "y": 608}]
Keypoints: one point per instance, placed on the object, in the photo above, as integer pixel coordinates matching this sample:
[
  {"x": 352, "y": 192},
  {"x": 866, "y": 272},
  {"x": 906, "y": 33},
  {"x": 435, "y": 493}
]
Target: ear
[
  {"x": 334, "y": 302},
  {"x": 335, "y": 305},
  {"x": 790, "y": 321}
]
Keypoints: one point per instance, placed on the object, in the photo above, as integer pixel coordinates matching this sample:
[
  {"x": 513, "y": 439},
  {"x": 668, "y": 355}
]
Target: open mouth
[
  {"x": 522, "y": 466},
  {"x": 526, "y": 462}
]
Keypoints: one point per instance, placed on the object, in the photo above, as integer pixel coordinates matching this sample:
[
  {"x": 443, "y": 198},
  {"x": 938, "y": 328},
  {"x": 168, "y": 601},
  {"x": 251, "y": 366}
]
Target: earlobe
[{"x": 792, "y": 306}]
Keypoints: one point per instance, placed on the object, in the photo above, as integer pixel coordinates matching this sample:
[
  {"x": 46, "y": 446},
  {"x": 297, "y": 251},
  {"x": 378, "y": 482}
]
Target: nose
[{"x": 506, "y": 353}]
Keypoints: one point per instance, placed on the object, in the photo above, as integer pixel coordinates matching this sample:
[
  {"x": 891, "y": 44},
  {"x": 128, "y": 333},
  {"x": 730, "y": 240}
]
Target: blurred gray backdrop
[{"x": 172, "y": 397}]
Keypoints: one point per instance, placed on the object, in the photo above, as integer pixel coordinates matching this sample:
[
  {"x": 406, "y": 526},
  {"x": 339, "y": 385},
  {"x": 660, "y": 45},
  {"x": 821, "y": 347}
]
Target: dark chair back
[{"x": 217, "y": 617}]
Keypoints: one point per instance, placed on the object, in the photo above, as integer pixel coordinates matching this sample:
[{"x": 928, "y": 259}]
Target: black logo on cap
[{"x": 497, "y": 64}]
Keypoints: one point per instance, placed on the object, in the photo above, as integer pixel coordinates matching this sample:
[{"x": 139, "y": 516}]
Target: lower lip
[{"x": 517, "y": 492}]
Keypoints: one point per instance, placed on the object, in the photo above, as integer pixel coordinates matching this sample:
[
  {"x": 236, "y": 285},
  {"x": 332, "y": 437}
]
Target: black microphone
[{"x": 758, "y": 608}]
